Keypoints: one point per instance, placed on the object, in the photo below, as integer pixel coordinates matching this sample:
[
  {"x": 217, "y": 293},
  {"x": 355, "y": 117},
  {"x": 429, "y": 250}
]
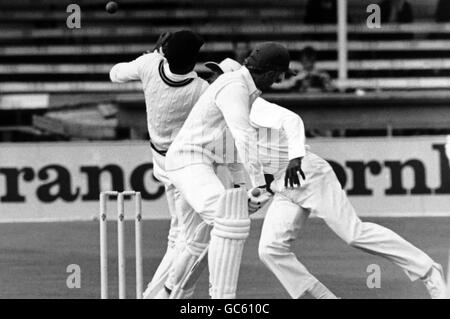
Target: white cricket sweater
[
  {"x": 226, "y": 103},
  {"x": 169, "y": 97},
  {"x": 281, "y": 138},
  {"x": 281, "y": 135}
]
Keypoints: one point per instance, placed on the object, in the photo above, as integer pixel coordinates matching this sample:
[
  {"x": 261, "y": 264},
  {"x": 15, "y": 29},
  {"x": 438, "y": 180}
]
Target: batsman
[{"x": 191, "y": 163}]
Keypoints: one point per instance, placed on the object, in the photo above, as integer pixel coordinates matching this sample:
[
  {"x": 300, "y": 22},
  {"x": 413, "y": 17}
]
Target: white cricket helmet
[{"x": 227, "y": 65}]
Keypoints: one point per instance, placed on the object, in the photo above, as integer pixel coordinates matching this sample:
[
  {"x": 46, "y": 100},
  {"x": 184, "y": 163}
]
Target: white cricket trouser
[
  {"x": 202, "y": 184},
  {"x": 321, "y": 195},
  {"x": 172, "y": 196},
  {"x": 201, "y": 187},
  {"x": 185, "y": 223},
  {"x": 182, "y": 225}
]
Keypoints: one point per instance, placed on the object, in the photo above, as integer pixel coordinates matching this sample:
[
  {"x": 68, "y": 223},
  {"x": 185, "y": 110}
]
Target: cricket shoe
[{"x": 435, "y": 282}]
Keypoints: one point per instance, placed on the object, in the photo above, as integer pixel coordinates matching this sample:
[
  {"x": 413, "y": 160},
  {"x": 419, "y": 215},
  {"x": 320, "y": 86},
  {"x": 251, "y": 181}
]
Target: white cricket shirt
[
  {"x": 281, "y": 135},
  {"x": 225, "y": 104},
  {"x": 169, "y": 97}
]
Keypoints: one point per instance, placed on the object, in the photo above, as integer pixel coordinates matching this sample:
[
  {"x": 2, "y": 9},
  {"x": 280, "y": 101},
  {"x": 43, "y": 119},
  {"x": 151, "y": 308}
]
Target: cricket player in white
[
  {"x": 284, "y": 155},
  {"x": 237, "y": 177},
  {"x": 192, "y": 158},
  {"x": 171, "y": 89},
  {"x": 282, "y": 151}
]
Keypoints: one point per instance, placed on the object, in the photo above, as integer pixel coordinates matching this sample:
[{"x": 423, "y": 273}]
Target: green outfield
[{"x": 34, "y": 258}]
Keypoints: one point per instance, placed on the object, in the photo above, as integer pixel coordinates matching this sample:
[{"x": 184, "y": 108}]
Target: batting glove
[{"x": 257, "y": 198}]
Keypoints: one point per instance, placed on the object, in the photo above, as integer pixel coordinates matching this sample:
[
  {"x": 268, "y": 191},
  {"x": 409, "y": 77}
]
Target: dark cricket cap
[
  {"x": 269, "y": 56},
  {"x": 182, "y": 51}
]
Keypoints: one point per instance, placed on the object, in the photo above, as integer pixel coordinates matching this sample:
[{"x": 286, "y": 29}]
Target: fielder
[
  {"x": 191, "y": 161},
  {"x": 283, "y": 153},
  {"x": 282, "y": 150},
  {"x": 320, "y": 194},
  {"x": 171, "y": 89}
]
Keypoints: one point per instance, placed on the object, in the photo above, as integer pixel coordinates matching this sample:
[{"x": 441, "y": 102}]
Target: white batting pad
[{"x": 231, "y": 229}]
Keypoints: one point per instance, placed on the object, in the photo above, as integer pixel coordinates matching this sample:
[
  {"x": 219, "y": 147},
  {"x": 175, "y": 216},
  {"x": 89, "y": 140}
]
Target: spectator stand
[{"x": 44, "y": 65}]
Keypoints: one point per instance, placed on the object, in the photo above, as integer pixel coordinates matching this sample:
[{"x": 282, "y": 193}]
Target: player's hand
[
  {"x": 300, "y": 76},
  {"x": 257, "y": 198},
  {"x": 294, "y": 169},
  {"x": 253, "y": 207},
  {"x": 162, "y": 42}
]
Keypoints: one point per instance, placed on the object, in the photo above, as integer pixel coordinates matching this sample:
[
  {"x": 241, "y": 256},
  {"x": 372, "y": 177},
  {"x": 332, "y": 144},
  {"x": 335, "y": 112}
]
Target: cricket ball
[
  {"x": 111, "y": 7},
  {"x": 256, "y": 192}
]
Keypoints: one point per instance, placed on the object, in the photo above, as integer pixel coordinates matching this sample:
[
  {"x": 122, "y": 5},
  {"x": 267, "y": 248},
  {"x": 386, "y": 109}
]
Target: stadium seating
[
  {"x": 45, "y": 64},
  {"x": 39, "y": 54}
]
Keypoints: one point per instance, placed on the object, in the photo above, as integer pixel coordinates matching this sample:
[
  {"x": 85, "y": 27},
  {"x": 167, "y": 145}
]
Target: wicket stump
[{"x": 120, "y": 242}]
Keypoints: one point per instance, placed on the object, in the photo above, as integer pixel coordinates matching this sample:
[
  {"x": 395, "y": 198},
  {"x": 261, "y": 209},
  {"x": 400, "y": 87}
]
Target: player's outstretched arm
[
  {"x": 130, "y": 71},
  {"x": 270, "y": 115},
  {"x": 233, "y": 102},
  {"x": 161, "y": 44}
]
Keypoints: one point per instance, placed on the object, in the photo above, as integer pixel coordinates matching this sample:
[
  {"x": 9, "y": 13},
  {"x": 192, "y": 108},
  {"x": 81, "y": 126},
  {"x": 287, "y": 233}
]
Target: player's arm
[
  {"x": 233, "y": 102},
  {"x": 270, "y": 115},
  {"x": 239, "y": 177},
  {"x": 291, "y": 82},
  {"x": 161, "y": 44},
  {"x": 238, "y": 174},
  {"x": 131, "y": 71}
]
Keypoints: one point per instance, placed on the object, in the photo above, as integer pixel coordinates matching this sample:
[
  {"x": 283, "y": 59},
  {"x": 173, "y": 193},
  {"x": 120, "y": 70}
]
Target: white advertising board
[{"x": 62, "y": 181}]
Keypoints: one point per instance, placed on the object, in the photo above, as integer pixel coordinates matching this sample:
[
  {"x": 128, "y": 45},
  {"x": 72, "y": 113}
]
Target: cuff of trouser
[
  {"x": 426, "y": 269},
  {"x": 303, "y": 288},
  {"x": 169, "y": 284},
  {"x": 184, "y": 294},
  {"x": 224, "y": 296}
]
